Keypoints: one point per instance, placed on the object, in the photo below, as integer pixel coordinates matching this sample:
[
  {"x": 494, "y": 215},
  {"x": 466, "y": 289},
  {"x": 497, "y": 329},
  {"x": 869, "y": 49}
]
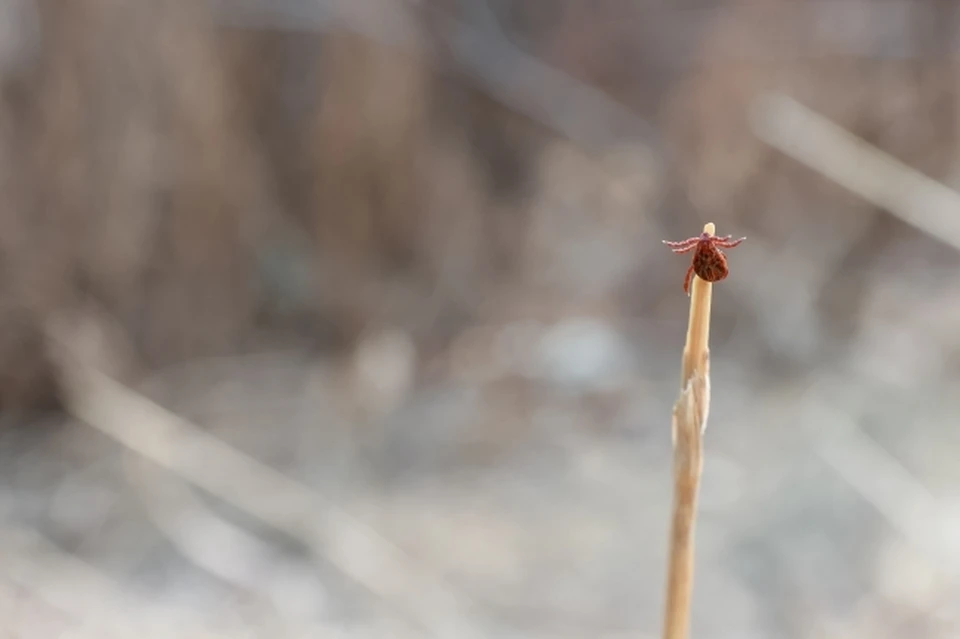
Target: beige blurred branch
[
  {"x": 262, "y": 492},
  {"x": 689, "y": 422},
  {"x": 877, "y": 177}
]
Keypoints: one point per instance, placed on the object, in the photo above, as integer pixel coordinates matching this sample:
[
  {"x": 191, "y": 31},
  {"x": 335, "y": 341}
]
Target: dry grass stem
[{"x": 689, "y": 421}]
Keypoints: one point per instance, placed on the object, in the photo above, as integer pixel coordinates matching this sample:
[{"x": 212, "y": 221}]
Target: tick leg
[
  {"x": 690, "y": 241},
  {"x": 687, "y": 280},
  {"x": 727, "y": 242},
  {"x": 682, "y": 247}
]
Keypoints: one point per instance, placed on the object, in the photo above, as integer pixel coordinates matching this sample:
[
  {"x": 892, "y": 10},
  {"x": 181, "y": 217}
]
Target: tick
[{"x": 709, "y": 262}]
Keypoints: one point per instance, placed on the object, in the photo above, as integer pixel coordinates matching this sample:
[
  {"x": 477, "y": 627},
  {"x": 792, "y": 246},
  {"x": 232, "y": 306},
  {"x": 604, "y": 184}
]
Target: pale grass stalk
[{"x": 689, "y": 421}]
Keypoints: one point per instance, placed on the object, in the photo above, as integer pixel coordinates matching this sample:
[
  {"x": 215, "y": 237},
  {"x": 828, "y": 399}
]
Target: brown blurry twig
[{"x": 689, "y": 421}]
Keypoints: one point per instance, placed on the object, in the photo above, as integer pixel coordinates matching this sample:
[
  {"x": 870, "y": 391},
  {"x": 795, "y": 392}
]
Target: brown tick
[{"x": 709, "y": 262}]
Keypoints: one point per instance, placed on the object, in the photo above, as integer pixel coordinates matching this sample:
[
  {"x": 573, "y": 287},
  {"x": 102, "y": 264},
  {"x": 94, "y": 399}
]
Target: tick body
[{"x": 709, "y": 262}]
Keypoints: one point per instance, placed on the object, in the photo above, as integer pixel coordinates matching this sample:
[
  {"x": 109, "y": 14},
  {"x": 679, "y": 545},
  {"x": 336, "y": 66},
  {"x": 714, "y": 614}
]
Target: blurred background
[{"x": 351, "y": 318}]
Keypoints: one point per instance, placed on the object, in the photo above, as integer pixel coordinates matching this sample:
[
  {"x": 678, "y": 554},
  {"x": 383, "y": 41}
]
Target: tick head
[{"x": 705, "y": 237}]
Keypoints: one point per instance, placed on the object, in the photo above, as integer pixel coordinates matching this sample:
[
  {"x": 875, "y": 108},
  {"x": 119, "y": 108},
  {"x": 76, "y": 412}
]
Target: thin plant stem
[{"x": 689, "y": 421}]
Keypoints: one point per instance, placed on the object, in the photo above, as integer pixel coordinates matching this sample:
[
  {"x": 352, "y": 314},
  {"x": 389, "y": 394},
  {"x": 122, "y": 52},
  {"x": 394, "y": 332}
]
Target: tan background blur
[{"x": 406, "y": 257}]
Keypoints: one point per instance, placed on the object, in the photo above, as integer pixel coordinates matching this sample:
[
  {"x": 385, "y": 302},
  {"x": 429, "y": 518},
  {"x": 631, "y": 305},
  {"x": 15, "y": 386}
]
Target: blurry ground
[{"x": 408, "y": 256}]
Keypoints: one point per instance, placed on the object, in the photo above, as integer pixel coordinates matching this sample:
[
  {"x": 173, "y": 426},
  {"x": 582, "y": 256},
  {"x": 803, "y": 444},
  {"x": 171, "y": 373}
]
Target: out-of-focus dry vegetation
[{"x": 441, "y": 220}]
